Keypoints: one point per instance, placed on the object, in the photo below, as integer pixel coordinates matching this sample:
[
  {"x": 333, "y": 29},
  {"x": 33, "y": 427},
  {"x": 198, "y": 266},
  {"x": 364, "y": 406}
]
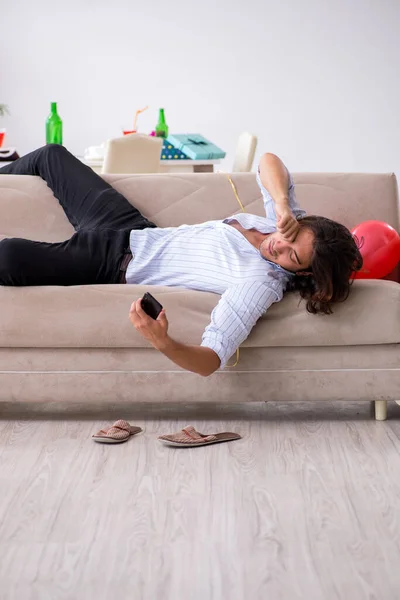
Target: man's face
[{"x": 292, "y": 256}]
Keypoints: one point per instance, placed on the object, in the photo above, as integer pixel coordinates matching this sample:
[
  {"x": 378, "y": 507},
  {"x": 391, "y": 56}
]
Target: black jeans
[{"x": 101, "y": 216}]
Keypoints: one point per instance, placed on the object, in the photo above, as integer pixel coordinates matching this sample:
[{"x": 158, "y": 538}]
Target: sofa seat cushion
[{"x": 96, "y": 316}]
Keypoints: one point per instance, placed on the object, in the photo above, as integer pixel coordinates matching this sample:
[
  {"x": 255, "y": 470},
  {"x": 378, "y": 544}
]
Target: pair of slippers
[{"x": 121, "y": 431}]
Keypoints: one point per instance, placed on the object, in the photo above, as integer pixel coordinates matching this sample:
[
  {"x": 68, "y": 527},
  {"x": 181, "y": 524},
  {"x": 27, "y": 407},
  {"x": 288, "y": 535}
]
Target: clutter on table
[
  {"x": 196, "y": 146},
  {"x": 184, "y": 146},
  {"x": 161, "y": 127},
  {"x": 169, "y": 152},
  {"x": 8, "y": 154},
  {"x": 134, "y": 130},
  {"x": 54, "y": 126}
]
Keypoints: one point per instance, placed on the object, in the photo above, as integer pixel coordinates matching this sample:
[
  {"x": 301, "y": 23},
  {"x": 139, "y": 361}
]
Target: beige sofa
[{"x": 77, "y": 344}]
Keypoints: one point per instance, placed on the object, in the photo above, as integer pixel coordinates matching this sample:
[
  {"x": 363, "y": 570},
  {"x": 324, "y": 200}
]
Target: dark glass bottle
[
  {"x": 54, "y": 126},
  {"x": 161, "y": 127}
]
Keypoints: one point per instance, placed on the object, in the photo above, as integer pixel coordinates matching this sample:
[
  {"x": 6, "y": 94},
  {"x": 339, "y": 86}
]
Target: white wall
[{"x": 317, "y": 81}]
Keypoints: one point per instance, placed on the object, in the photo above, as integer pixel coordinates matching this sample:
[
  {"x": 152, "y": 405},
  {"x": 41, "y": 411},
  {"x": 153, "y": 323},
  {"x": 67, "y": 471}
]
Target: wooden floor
[{"x": 306, "y": 506}]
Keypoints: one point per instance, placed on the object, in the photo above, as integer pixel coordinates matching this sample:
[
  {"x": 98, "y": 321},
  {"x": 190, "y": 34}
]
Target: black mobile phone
[{"x": 151, "y": 306}]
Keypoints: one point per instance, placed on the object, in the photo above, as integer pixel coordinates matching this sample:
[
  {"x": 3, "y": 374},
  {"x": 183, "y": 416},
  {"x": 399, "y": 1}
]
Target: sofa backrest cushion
[{"x": 28, "y": 208}]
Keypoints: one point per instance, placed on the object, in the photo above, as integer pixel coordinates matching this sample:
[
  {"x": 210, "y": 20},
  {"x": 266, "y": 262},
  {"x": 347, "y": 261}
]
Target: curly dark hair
[{"x": 336, "y": 256}]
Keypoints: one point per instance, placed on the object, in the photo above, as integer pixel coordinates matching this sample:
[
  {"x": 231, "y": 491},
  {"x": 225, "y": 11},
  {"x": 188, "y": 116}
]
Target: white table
[{"x": 166, "y": 166}]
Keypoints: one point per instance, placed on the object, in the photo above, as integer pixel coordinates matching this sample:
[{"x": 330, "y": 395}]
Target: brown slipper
[
  {"x": 189, "y": 437},
  {"x": 119, "y": 432}
]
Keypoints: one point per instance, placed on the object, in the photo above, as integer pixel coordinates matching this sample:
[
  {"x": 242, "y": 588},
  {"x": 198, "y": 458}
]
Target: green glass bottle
[
  {"x": 161, "y": 127},
  {"x": 54, "y": 126}
]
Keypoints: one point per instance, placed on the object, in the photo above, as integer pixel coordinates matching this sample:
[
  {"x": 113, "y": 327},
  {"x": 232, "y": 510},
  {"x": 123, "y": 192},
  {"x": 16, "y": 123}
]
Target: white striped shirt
[{"x": 215, "y": 257}]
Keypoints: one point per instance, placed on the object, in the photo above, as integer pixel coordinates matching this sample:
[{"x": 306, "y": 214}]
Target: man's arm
[
  {"x": 198, "y": 359},
  {"x": 232, "y": 319},
  {"x": 275, "y": 179}
]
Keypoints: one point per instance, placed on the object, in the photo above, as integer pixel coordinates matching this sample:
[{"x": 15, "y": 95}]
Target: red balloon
[{"x": 379, "y": 247}]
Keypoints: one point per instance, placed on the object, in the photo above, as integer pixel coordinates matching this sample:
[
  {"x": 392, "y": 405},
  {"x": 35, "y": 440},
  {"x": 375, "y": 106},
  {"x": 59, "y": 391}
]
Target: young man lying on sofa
[{"x": 251, "y": 261}]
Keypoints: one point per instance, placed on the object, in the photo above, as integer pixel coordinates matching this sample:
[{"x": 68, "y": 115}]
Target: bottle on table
[
  {"x": 54, "y": 126},
  {"x": 161, "y": 127}
]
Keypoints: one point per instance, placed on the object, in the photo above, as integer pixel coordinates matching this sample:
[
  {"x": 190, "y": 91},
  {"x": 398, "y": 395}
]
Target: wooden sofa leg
[{"x": 380, "y": 410}]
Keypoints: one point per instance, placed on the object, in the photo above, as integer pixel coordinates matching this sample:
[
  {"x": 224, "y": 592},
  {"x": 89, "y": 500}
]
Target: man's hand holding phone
[{"x": 152, "y": 328}]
